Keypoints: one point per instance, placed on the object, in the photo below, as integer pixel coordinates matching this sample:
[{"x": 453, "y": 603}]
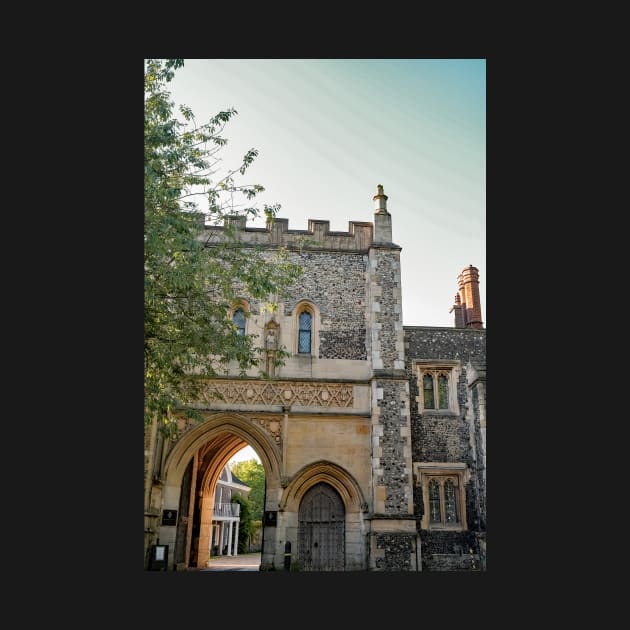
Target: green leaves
[
  {"x": 189, "y": 285},
  {"x": 247, "y": 160},
  {"x": 252, "y": 473}
]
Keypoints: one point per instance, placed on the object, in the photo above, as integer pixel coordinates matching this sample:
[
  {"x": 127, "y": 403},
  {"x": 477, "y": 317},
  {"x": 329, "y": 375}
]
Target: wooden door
[{"x": 321, "y": 532}]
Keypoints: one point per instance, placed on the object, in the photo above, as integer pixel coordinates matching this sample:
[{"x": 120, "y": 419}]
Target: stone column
[
  {"x": 235, "y": 551},
  {"x": 229, "y": 545},
  {"x": 205, "y": 530},
  {"x": 221, "y": 537}
]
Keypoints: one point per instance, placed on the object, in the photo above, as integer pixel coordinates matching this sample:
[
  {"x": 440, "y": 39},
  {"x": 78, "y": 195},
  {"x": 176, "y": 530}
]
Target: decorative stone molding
[
  {"x": 182, "y": 424},
  {"x": 288, "y": 393},
  {"x": 273, "y": 427}
]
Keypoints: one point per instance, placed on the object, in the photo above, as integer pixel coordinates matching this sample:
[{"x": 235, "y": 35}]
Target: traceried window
[
  {"x": 450, "y": 502},
  {"x": 435, "y": 512},
  {"x": 436, "y": 382},
  {"x": 427, "y": 383},
  {"x": 304, "y": 333},
  {"x": 443, "y": 494},
  {"x": 239, "y": 320},
  {"x": 443, "y": 391},
  {"x": 435, "y": 390},
  {"x": 443, "y": 500}
]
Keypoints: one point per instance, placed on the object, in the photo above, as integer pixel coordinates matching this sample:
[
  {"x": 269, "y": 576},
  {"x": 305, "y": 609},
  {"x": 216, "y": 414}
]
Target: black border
[{"x": 105, "y": 243}]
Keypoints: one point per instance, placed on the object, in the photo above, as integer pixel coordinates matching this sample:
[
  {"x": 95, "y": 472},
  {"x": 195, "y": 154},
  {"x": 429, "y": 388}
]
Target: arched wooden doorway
[{"x": 321, "y": 532}]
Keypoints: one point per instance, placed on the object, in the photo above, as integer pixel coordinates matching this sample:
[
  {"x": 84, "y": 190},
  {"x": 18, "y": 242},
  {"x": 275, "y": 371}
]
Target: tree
[
  {"x": 252, "y": 473},
  {"x": 190, "y": 282}
]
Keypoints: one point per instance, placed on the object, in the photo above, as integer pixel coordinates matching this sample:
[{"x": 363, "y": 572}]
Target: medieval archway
[
  {"x": 192, "y": 469},
  {"x": 321, "y": 532}
]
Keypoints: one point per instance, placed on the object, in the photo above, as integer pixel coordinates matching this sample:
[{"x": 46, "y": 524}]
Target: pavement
[{"x": 241, "y": 562}]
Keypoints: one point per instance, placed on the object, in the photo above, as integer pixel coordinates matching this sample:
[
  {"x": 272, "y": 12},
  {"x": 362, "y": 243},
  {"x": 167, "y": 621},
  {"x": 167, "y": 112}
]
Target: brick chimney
[
  {"x": 468, "y": 281},
  {"x": 457, "y": 309}
]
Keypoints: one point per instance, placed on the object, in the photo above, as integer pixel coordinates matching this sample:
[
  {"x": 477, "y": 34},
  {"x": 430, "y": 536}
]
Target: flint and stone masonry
[{"x": 352, "y": 452}]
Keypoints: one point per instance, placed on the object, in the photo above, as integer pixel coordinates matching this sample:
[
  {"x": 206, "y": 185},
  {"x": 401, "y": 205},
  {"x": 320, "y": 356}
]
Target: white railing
[{"x": 227, "y": 509}]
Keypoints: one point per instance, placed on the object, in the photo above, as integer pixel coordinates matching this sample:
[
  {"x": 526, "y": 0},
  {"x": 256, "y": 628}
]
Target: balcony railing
[{"x": 227, "y": 509}]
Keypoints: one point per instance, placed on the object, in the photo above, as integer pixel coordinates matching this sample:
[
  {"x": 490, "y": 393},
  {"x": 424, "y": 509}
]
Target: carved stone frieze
[{"x": 288, "y": 393}]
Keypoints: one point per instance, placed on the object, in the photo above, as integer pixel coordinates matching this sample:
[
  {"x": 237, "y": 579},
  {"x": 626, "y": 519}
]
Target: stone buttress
[{"x": 394, "y": 544}]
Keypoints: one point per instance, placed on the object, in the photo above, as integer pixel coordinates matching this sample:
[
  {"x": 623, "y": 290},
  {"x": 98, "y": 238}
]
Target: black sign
[
  {"x": 169, "y": 517},
  {"x": 271, "y": 518}
]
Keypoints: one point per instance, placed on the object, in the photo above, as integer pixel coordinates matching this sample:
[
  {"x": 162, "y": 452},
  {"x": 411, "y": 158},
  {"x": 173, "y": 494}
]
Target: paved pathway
[{"x": 241, "y": 562}]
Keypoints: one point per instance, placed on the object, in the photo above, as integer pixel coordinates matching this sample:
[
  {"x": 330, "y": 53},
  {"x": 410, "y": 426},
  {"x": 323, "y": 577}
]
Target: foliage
[
  {"x": 191, "y": 281},
  {"x": 252, "y": 473}
]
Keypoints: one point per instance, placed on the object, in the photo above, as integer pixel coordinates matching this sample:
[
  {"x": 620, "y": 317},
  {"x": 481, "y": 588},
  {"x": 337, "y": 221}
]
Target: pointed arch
[
  {"x": 203, "y": 450},
  {"x": 224, "y": 433},
  {"x": 323, "y": 471},
  {"x": 307, "y": 325},
  {"x": 239, "y": 313}
]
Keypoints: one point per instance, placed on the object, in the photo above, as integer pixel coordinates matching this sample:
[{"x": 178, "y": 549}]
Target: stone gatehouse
[{"x": 372, "y": 434}]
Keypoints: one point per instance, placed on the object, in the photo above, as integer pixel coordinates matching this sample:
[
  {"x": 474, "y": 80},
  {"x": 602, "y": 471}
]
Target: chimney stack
[
  {"x": 457, "y": 309},
  {"x": 382, "y": 218},
  {"x": 468, "y": 281}
]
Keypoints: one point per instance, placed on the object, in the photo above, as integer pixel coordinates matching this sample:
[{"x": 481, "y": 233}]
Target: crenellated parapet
[{"x": 358, "y": 238}]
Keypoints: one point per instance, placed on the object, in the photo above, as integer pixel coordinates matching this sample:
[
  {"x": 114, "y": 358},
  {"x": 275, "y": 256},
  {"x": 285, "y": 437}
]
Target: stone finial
[
  {"x": 380, "y": 200},
  {"x": 458, "y": 300}
]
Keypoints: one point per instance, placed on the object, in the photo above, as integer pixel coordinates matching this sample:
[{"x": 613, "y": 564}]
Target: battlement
[{"x": 359, "y": 236}]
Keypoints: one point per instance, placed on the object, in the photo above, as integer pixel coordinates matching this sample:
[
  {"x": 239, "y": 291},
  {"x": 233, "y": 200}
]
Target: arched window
[
  {"x": 443, "y": 391},
  {"x": 450, "y": 502},
  {"x": 239, "y": 320},
  {"x": 434, "y": 502},
  {"x": 304, "y": 335},
  {"x": 427, "y": 385}
]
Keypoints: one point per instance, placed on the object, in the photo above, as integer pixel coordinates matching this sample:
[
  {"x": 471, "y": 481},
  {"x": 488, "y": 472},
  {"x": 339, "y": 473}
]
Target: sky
[
  {"x": 328, "y": 131},
  {"x": 245, "y": 454}
]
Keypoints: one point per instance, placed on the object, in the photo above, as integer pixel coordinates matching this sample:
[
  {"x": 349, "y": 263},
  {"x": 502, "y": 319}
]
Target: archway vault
[
  {"x": 328, "y": 472},
  {"x": 219, "y": 437}
]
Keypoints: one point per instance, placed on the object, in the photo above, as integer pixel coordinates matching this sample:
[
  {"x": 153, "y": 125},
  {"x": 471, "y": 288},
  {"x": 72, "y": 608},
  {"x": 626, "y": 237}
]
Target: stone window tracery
[
  {"x": 443, "y": 491},
  {"x": 437, "y": 386}
]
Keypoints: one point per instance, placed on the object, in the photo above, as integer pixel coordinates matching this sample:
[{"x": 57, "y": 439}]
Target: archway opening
[
  {"x": 222, "y": 517},
  {"x": 247, "y": 498}
]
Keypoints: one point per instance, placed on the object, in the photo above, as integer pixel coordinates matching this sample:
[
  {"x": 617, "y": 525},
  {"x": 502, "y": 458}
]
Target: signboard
[
  {"x": 169, "y": 517},
  {"x": 271, "y": 518},
  {"x": 159, "y": 558}
]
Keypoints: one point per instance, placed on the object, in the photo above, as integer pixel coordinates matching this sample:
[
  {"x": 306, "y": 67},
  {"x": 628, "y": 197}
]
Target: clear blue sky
[{"x": 329, "y": 130}]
